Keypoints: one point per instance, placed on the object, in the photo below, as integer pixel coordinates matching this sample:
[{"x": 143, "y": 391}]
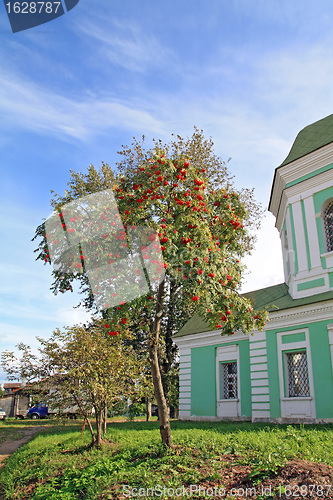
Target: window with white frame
[
  {"x": 296, "y": 365},
  {"x": 229, "y": 380},
  {"x": 328, "y": 226}
]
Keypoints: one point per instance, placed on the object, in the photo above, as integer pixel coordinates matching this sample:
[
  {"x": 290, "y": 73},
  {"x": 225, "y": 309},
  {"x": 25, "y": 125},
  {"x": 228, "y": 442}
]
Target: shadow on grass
[
  {"x": 222, "y": 427},
  {"x": 227, "y": 426}
]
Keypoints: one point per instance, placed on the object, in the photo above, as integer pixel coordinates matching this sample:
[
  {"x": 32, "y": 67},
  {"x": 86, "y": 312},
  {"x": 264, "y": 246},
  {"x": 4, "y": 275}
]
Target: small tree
[
  {"x": 184, "y": 192},
  {"x": 24, "y": 366},
  {"x": 92, "y": 367}
]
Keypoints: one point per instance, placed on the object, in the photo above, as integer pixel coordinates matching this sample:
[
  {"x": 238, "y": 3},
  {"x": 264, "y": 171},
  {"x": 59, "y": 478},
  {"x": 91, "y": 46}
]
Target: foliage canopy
[{"x": 185, "y": 193}]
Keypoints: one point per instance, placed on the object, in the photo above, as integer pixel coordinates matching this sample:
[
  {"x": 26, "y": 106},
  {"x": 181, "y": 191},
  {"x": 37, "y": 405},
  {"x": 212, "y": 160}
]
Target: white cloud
[
  {"x": 28, "y": 105},
  {"x": 260, "y": 121},
  {"x": 125, "y": 44}
]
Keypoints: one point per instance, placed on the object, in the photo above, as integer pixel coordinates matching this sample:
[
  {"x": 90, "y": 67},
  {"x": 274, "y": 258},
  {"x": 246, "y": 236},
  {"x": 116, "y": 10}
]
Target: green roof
[
  {"x": 273, "y": 298},
  {"x": 193, "y": 325},
  {"x": 277, "y": 297},
  {"x": 310, "y": 138}
]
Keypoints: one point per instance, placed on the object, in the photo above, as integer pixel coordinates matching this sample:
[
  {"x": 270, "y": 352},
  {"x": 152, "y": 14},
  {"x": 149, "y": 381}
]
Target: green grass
[{"x": 59, "y": 465}]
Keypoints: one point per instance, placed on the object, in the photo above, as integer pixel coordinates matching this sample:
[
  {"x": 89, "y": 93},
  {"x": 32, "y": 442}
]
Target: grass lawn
[{"x": 59, "y": 465}]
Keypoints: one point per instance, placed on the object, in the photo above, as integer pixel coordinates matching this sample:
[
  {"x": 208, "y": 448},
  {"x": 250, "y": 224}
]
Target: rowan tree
[{"x": 185, "y": 193}]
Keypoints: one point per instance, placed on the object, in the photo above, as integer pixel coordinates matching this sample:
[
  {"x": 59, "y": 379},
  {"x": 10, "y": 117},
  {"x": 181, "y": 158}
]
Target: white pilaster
[
  {"x": 259, "y": 376},
  {"x": 184, "y": 382},
  {"x": 291, "y": 252},
  {"x": 300, "y": 237},
  {"x": 312, "y": 232}
]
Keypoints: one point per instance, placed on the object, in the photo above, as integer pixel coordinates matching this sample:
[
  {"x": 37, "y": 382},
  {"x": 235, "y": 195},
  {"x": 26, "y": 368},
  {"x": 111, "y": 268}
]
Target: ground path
[{"x": 10, "y": 445}]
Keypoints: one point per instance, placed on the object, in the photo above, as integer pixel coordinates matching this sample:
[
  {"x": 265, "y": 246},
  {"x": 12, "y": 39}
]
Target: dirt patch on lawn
[
  {"x": 302, "y": 479},
  {"x": 8, "y": 447},
  {"x": 297, "y": 479}
]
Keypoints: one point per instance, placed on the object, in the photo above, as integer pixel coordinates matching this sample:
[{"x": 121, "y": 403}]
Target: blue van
[{"x": 40, "y": 410}]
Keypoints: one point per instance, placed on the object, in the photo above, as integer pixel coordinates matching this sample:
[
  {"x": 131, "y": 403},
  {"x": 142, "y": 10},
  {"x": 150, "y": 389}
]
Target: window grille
[
  {"x": 229, "y": 380},
  {"x": 298, "y": 378},
  {"x": 328, "y": 226}
]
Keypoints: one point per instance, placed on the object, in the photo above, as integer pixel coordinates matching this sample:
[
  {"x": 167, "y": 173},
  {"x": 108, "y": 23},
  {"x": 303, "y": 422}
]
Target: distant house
[
  {"x": 284, "y": 373},
  {"x": 16, "y": 397},
  {"x": 11, "y": 387}
]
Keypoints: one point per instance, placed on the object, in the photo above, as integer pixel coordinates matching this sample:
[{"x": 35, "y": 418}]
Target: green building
[{"x": 284, "y": 373}]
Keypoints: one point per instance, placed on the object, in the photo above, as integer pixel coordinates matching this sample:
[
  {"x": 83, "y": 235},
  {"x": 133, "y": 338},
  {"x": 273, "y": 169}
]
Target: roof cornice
[
  {"x": 207, "y": 338},
  {"x": 295, "y": 170},
  {"x": 292, "y": 317}
]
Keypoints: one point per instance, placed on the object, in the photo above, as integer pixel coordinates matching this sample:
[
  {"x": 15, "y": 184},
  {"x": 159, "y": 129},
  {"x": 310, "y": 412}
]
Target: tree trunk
[
  {"x": 78, "y": 402},
  {"x": 148, "y": 409},
  {"x": 105, "y": 414},
  {"x": 93, "y": 438},
  {"x": 155, "y": 371},
  {"x": 83, "y": 426},
  {"x": 99, "y": 421},
  {"x": 170, "y": 348}
]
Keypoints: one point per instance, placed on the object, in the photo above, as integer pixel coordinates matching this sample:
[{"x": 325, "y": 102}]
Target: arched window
[{"x": 328, "y": 226}]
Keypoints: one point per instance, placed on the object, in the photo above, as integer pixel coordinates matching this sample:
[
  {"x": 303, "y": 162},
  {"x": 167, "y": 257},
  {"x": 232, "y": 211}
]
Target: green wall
[
  {"x": 322, "y": 368},
  {"x": 321, "y": 365},
  {"x": 203, "y": 372},
  {"x": 320, "y": 197},
  {"x": 203, "y": 379},
  {"x": 311, "y": 284},
  {"x": 330, "y": 277},
  {"x": 245, "y": 378},
  {"x": 322, "y": 247},
  {"x": 273, "y": 374}
]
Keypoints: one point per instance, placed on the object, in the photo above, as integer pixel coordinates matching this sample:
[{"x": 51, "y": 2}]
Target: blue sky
[{"x": 251, "y": 74}]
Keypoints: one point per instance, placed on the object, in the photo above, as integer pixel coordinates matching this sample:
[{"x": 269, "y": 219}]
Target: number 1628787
[{"x": 32, "y": 7}]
